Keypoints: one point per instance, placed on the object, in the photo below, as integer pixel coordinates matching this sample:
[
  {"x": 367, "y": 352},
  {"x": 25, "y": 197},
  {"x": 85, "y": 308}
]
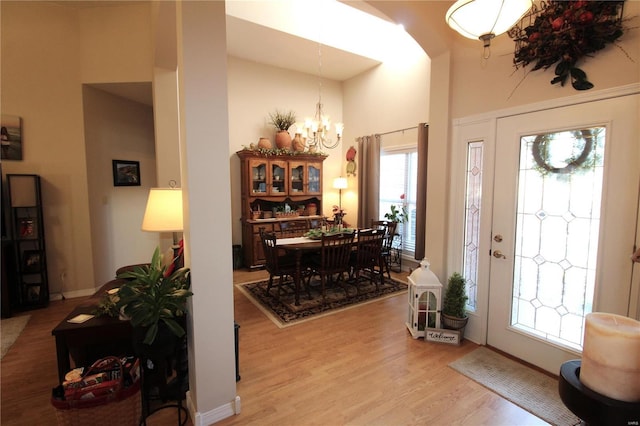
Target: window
[{"x": 398, "y": 183}]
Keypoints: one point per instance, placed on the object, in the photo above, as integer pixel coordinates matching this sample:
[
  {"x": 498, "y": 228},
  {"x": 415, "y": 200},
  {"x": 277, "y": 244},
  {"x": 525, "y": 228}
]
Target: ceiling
[{"x": 262, "y": 32}]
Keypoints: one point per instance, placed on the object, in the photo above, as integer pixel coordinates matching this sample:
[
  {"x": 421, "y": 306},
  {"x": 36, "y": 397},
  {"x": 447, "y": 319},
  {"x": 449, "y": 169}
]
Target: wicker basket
[
  {"x": 120, "y": 407},
  {"x": 453, "y": 323}
]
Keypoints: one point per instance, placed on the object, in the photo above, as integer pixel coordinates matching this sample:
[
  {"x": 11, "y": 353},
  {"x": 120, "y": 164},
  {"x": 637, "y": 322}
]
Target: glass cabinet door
[
  {"x": 297, "y": 185},
  {"x": 258, "y": 176},
  {"x": 278, "y": 177},
  {"x": 314, "y": 176}
]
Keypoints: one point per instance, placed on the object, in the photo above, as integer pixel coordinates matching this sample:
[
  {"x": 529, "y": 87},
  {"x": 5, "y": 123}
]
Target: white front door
[{"x": 564, "y": 221}]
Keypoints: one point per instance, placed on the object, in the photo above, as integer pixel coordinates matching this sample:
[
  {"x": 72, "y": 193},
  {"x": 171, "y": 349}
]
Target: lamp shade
[
  {"x": 164, "y": 210},
  {"x": 340, "y": 183},
  {"x": 484, "y": 19}
]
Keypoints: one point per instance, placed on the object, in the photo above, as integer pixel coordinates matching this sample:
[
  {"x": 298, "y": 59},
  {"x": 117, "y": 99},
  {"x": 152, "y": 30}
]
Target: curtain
[
  {"x": 421, "y": 199},
  {"x": 369, "y": 182}
]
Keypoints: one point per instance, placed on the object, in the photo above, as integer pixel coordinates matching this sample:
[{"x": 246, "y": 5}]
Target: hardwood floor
[{"x": 357, "y": 367}]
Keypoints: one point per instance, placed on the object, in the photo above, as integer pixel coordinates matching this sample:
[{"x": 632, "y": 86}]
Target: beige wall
[
  {"x": 116, "y": 128},
  {"x": 255, "y": 90},
  {"x": 49, "y": 51},
  {"x": 387, "y": 98},
  {"x": 478, "y": 86},
  {"x": 41, "y": 83}
]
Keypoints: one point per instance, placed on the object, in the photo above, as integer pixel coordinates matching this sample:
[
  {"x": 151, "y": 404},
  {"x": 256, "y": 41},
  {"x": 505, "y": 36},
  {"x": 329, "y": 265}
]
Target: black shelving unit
[{"x": 30, "y": 288}]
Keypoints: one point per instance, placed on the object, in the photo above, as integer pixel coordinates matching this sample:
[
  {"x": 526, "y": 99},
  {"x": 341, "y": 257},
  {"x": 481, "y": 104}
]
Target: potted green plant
[
  {"x": 454, "y": 314},
  {"x": 282, "y": 121},
  {"x": 397, "y": 214},
  {"x": 155, "y": 298}
]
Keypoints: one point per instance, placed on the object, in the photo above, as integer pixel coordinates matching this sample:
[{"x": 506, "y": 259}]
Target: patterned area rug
[
  {"x": 530, "y": 389},
  {"x": 10, "y": 329},
  {"x": 279, "y": 306}
]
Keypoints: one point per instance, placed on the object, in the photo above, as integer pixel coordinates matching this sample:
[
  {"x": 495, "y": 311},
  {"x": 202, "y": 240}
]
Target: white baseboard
[{"x": 215, "y": 415}]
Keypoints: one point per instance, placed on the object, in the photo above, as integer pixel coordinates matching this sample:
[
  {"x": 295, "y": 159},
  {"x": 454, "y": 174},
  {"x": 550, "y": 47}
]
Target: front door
[{"x": 564, "y": 220}]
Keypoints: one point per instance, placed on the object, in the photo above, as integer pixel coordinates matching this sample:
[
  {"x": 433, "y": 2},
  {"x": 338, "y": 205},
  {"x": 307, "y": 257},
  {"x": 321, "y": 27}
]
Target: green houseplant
[
  {"x": 454, "y": 315},
  {"x": 282, "y": 121},
  {"x": 397, "y": 214},
  {"x": 155, "y": 297}
]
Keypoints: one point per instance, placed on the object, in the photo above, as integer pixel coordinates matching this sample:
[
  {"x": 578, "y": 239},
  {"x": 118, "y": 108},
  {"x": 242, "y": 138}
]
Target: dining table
[{"x": 298, "y": 246}]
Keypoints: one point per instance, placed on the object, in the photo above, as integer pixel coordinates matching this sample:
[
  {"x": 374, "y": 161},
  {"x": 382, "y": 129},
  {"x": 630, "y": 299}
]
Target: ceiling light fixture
[
  {"x": 319, "y": 126},
  {"x": 485, "y": 19}
]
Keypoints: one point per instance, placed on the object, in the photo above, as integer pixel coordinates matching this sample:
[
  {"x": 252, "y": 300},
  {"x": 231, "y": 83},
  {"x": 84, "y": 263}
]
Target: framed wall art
[
  {"x": 126, "y": 173},
  {"x": 31, "y": 261},
  {"x": 11, "y": 137}
]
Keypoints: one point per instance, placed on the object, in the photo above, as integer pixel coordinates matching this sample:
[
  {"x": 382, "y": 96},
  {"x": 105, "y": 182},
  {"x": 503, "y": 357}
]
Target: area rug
[
  {"x": 10, "y": 329},
  {"x": 279, "y": 306},
  {"x": 530, "y": 389}
]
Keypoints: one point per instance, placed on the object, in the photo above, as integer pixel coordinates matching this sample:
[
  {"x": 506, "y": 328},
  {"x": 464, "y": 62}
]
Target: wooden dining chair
[
  {"x": 366, "y": 262},
  {"x": 334, "y": 261},
  {"x": 279, "y": 266},
  {"x": 389, "y": 228},
  {"x": 293, "y": 228}
]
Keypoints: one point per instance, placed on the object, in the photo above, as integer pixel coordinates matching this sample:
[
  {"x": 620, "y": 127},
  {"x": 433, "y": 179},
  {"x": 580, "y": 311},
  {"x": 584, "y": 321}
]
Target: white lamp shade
[
  {"x": 475, "y": 18},
  {"x": 164, "y": 210},
  {"x": 340, "y": 183}
]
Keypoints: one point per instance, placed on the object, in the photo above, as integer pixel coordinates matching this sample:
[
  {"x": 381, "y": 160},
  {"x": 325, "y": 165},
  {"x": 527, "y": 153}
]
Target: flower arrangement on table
[
  {"x": 338, "y": 215},
  {"x": 563, "y": 32}
]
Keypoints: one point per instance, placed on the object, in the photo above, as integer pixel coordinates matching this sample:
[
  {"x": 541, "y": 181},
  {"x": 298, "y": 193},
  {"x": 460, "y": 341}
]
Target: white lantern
[{"x": 425, "y": 290}]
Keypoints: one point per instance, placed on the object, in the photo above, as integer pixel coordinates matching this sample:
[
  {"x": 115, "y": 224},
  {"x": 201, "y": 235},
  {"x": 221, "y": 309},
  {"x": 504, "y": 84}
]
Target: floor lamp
[
  {"x": 340, "y": 183},
  {"x": 164, "y": 213}
]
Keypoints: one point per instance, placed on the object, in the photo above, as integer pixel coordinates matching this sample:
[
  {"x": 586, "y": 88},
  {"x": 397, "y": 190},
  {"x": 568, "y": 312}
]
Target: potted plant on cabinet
[
  {"x": 454, "y": 315},
  {"x": 155, "y": 300},
  {"x": 282, "y": 121}
]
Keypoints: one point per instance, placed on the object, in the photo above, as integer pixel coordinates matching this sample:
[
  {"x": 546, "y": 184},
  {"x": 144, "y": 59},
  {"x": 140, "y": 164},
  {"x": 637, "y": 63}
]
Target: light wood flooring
[{"x": 357, "y": 367}]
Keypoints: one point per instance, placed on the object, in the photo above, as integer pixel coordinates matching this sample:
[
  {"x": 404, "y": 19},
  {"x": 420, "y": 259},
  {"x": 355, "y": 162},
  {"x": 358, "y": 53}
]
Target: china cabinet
[{"x": 277, "y": 189}]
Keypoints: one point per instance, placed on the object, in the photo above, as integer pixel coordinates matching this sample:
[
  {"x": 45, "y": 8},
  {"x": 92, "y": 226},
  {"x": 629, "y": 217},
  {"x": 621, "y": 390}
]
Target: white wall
[{"x": 118, "y": 129}]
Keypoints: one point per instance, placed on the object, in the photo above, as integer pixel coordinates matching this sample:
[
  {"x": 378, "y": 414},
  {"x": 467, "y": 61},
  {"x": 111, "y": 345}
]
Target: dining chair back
[
  {"x": 389, "y": 228},
  {"x": 334, "y": 260},
  {"x": 276, "y": 264},
  {"x": 293, "y": 228},
  {"x": 366, "y": 261}
]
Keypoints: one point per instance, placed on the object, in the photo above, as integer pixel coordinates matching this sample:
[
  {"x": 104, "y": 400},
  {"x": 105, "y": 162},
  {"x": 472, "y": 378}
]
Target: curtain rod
[{"x": 396, "y": 131}]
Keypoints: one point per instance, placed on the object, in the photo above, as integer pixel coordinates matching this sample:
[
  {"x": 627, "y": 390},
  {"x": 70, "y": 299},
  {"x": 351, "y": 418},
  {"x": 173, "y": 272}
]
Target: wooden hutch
[{"x": 277, "y": 188}]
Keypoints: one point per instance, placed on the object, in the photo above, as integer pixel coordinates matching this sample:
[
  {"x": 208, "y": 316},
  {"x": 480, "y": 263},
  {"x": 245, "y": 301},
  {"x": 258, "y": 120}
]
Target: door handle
[{"x": 498, "y": 254}]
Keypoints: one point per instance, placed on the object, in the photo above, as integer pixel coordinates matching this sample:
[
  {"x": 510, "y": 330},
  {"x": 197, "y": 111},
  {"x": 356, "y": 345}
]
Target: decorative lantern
[{"x": 425, "y": 291}]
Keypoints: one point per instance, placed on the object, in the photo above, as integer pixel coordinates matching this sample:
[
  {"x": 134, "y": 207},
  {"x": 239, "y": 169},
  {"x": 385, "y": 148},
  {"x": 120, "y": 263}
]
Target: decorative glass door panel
[
  {"x": 557, "y": 232},
  {"x": 297, "y": 178},
  {"x": 314, "y": 175},
  {"x": 258, "y": 173},
  {"x": 278, "y": 177}
]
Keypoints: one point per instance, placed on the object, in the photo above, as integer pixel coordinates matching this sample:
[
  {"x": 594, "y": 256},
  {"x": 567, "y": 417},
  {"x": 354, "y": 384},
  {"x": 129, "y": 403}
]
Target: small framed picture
[
  {"x": 11, "y": 137},
  {"x": 31, "y": 261},
  {"x": 126, "y": 173}
]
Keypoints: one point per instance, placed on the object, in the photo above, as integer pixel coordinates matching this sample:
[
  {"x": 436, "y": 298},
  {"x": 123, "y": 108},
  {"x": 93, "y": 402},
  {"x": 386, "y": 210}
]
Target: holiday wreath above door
[{"x": 563, "y": 32}]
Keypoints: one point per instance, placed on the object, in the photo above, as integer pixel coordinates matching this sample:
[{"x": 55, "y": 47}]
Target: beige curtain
[
  {"x": 421, "y": 197},
  {"x": 369, "y": 181}
]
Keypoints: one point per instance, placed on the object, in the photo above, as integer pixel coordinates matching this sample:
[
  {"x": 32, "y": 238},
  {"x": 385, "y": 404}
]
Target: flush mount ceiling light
[{"x": 485, "y": 19}]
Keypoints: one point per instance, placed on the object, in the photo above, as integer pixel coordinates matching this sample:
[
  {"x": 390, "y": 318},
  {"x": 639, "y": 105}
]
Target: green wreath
[{"x": 540, "y": 151}]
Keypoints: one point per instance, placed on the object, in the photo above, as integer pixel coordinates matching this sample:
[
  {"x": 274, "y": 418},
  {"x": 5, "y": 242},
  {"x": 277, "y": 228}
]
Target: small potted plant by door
[
  {"x": 282, "y": 121},
  {"x": 454, "y": 314}
]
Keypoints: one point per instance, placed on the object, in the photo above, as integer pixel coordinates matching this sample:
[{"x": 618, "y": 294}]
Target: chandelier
[
  {"x": 319, "y": 126},
  {"x": 485, "y": 19}
]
